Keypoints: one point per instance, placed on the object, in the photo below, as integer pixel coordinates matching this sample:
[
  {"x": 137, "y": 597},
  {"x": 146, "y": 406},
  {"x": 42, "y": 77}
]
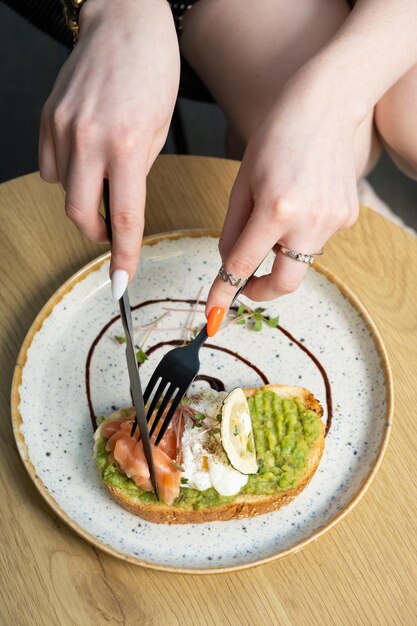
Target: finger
[
  {"x": 83, "y": 198},
  {"x": 285, "y": 277},
  {"x": 127, "y": 200},
  {"x": 61, "y": 134},
  {"x": 238, "y": 214},
  {"x": 46, "y": 151},
  {"x": 250, "y": 249},
  {"x": 287, "y": 273}
]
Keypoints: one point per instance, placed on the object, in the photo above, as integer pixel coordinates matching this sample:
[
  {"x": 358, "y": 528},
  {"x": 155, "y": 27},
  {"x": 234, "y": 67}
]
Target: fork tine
[
  {"x": 158, "y": 393},
  {"x": 151, "y": 385},
  {"x": 149, "y": 388},
  {"x": 170, "y": 413},
  {"x": 168, "y": 395}
]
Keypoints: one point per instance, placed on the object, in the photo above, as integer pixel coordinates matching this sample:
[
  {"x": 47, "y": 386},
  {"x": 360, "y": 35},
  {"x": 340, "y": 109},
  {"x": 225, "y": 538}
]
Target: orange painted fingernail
[{"x": 214, "y": 320}]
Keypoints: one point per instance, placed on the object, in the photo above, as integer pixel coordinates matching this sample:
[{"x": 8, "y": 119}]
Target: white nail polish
[{"x": 119, "y": 280}]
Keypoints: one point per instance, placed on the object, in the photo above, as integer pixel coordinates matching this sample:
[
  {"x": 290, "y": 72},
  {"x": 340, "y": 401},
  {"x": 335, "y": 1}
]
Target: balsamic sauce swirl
[{"x": 214, "y": 383}]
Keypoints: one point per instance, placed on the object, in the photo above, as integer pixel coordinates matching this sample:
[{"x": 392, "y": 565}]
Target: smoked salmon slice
[{"x": 128, "y": 455}]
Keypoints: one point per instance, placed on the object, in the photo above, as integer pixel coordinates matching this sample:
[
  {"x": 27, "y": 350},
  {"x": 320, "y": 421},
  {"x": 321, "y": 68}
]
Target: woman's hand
[
  {"x": 296, "y": 186},
  {"x": 108, "y": 117}
]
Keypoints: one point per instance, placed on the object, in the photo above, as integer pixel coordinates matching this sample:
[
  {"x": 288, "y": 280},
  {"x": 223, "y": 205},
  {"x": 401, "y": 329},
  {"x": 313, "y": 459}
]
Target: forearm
[
  {"x": 376, "y": 45},
  {"x": 99, "y": 7},
  {"x": 128, "y": 15}
]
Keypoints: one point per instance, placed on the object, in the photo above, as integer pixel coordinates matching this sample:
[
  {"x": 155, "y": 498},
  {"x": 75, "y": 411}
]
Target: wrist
[
  {"x": 345, "y": 93},
  {"x": 330, "y": 87},
  {"x": 94, "y": 11}
]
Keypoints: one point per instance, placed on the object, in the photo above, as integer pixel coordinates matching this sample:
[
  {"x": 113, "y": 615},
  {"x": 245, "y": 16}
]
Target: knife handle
[{"x": 106, "y": 202}]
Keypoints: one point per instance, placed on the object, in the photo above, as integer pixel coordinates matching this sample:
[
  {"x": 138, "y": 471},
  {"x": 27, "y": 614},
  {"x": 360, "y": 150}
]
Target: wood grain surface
[{"x": 363, "y": 571}]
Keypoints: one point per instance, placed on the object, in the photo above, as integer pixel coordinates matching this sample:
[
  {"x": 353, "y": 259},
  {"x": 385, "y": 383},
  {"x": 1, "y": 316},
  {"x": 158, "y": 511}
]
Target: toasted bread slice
[{"x": 244, "y": 505}]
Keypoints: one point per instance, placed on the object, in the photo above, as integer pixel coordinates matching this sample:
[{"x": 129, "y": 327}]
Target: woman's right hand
[{"x": 108, "y": 117}]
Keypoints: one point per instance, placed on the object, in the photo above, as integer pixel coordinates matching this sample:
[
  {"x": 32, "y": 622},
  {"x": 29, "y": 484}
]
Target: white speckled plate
[{"x": 54, "y": 433}]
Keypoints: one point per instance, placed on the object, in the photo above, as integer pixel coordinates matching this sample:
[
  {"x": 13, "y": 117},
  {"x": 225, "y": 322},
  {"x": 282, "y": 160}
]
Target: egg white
[{"x": 216, "y": 471}]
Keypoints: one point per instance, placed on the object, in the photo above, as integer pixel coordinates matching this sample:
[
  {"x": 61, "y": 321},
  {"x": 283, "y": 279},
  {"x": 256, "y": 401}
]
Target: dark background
[{"x": 30, "y": 62}]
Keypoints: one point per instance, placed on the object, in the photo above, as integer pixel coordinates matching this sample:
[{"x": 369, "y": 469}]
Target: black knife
[{"x": 132, "y": 365}]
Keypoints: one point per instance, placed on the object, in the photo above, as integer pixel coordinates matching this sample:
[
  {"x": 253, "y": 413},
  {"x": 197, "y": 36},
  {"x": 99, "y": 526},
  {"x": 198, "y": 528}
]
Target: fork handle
[
  {"x": 200, "y": 338},
  {"x": 238, "y": 292}
]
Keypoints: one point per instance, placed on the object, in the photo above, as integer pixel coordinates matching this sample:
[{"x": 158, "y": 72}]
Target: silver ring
[
  {"x": 228, "y": 277},
  {"x": 300, "y": 256}
]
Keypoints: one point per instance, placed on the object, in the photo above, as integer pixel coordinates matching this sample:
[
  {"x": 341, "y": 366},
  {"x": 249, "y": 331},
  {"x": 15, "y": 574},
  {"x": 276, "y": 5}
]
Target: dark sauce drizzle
[{"x": 214, "y": 383}]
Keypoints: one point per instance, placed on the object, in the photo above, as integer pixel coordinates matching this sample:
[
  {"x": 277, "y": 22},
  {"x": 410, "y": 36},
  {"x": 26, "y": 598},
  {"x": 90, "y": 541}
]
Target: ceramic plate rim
[{"x": 17, "y": 419}]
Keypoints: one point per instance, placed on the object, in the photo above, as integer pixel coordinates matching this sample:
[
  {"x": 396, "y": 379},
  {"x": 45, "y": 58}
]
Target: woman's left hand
[{"x": 296, "y": 186}]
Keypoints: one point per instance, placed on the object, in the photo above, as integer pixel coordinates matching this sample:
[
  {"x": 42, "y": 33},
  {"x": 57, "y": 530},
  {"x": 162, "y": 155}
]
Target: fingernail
[
  {"x": 119, "y": 280},
  {"x": 214, "y": 320}
]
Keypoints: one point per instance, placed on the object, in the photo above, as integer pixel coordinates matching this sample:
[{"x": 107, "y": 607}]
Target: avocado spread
[{"x": 284, "y": 432}]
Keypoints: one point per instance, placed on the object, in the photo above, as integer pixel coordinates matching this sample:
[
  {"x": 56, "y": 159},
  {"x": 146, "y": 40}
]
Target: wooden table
[{"x": 363, "y": 571}]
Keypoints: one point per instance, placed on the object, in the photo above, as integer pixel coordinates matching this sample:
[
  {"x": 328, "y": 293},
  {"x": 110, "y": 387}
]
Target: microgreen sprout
[
  {"x": 141, "y": 356},
  {"x": 253, "y": 319}
]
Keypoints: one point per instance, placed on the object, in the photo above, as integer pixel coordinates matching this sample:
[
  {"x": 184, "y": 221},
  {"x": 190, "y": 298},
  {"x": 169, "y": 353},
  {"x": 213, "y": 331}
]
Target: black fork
[{"x": 176, "y": 371}]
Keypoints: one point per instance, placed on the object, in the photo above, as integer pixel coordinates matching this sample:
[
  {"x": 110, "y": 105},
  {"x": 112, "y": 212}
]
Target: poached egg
[{"x": 204, "y": 459}]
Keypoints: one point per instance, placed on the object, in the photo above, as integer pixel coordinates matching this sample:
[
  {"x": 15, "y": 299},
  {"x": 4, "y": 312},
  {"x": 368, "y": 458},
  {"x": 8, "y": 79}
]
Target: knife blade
[{"x": 132, "y": 365}]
